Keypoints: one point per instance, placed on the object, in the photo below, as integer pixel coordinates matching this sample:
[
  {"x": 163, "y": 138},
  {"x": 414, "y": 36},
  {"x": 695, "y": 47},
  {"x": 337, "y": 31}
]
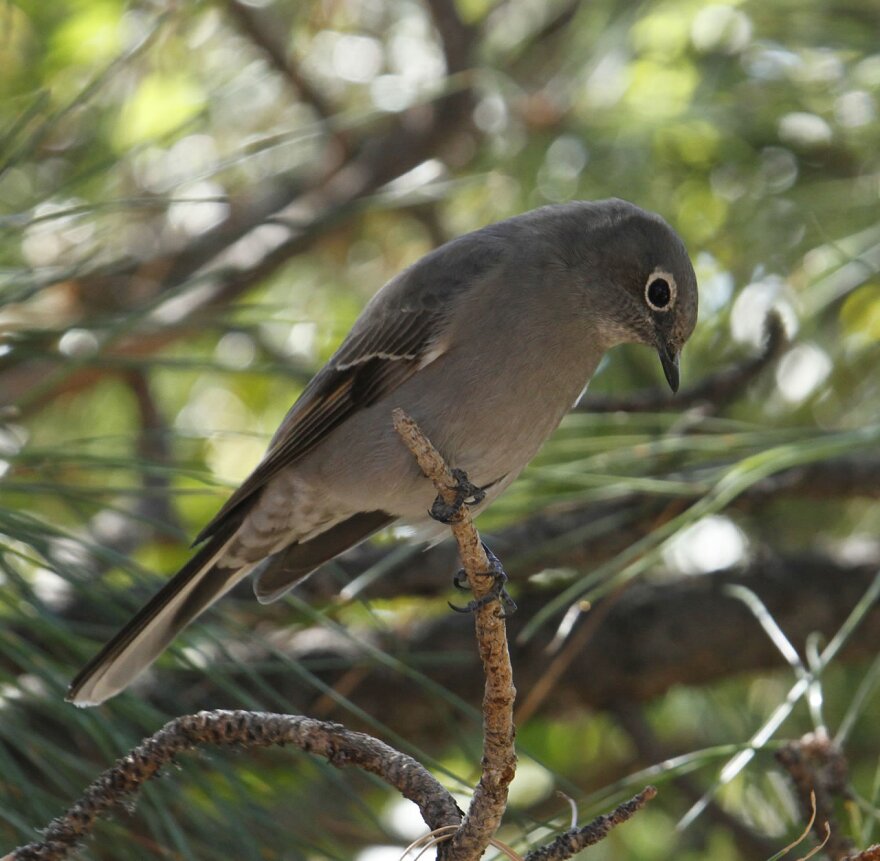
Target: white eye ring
[{"x": 654, "y": 301}]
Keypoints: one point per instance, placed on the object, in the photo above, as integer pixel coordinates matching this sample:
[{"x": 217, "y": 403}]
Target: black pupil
[{"x": 659, "y": 292}]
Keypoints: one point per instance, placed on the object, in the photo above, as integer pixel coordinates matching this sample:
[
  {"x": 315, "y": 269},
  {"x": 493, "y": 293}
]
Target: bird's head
[{"x": 641, "y": 286}]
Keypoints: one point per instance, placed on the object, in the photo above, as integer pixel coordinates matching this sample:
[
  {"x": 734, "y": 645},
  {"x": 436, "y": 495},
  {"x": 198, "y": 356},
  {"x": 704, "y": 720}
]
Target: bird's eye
[{"x": 660, "y": 291}]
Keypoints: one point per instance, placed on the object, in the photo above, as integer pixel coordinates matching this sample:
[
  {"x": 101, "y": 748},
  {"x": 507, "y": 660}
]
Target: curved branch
[{"x": 340, "y": 746}]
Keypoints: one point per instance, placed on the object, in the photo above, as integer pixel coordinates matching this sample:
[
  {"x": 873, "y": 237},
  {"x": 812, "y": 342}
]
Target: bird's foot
[
  {"x": 497, "y": 592},
  {"x": 465, "y": 494}
]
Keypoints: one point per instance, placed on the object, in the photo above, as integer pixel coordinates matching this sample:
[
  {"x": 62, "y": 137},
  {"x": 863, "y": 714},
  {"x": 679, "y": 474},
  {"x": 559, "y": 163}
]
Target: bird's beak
[{"x": 669, "y": 360}]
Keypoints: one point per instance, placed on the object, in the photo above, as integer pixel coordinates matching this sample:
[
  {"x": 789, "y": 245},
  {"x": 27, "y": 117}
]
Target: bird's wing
[
  {"x": 400, "y": 331},
  {"x": 387, "y": 346}
]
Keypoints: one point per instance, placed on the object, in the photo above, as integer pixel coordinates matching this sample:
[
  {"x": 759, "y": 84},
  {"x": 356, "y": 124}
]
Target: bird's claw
[
  {"x": 460, "y": 580},
  {"x": 465, "y": 494},
  {"x": 496, "y": 592}
]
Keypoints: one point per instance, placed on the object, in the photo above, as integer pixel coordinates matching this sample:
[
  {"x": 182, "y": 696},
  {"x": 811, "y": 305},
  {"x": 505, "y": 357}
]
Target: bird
[{"x": 486, "y": 342}]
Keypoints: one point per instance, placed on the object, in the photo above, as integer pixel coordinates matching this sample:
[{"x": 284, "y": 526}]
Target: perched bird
[{"x": 486, "y": 342}]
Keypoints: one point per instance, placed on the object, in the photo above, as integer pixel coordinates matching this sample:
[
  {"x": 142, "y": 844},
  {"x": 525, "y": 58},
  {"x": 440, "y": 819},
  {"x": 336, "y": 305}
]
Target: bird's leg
[
  {"x": 497, "y": 591},
  {"x": 465, "y": 494}
]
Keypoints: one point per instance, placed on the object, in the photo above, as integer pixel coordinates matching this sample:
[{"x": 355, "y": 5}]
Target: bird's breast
[{"x": 488, "y": 405}]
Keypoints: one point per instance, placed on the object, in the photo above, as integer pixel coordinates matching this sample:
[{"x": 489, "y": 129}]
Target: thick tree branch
[
  {"x": 826, "y": 590},
  {"x": 654, "y": 637},
  {"x": 582, "y": 536}
]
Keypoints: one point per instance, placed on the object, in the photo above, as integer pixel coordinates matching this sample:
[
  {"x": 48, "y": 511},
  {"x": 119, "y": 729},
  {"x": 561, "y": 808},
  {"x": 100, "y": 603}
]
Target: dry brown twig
[
  {"x": 499, "y": 759},
  {"x": 565, "y": 845},
  {"x": 575, "y": 839}
]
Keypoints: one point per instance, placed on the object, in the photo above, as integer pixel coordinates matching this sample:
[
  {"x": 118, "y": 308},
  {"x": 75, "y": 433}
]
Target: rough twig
[
  {"x": 576, "y": 839},
  {"x": 712, "y": 392},
  {"x": 499, "y": 759},
  {"x": 340, "y": 746},
  {"x": 817, "y": 766}
]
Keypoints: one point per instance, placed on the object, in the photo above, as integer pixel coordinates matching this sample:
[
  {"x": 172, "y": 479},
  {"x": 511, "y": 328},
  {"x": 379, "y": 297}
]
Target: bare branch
[
  {"x": 499, "y": 758},
  {"x": 655, "y": 636},
  {"x": 573, "y": 841},
  {"x": 558, "y": 536},
  {"x": 340, "y": 746}
]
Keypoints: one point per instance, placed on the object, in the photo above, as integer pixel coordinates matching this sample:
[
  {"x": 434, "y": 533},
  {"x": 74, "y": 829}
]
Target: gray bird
[{"x": 486, "y": 342}]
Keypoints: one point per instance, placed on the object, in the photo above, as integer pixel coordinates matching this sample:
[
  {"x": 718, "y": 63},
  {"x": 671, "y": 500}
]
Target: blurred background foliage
[{"x": 197, "y": 198}]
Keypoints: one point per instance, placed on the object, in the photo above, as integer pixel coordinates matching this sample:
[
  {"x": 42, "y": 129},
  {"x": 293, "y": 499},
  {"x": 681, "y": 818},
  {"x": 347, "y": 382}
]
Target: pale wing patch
[
  {"x": 434, "y": 352},
  {"x": 366, "y": 357}
]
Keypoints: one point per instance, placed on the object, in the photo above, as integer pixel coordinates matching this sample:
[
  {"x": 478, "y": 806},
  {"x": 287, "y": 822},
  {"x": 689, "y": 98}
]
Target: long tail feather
[{"x": 200, "y": 583}]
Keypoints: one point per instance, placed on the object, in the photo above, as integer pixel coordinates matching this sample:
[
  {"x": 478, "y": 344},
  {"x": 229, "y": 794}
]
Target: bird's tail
[{"x": 201, "y": 582}]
